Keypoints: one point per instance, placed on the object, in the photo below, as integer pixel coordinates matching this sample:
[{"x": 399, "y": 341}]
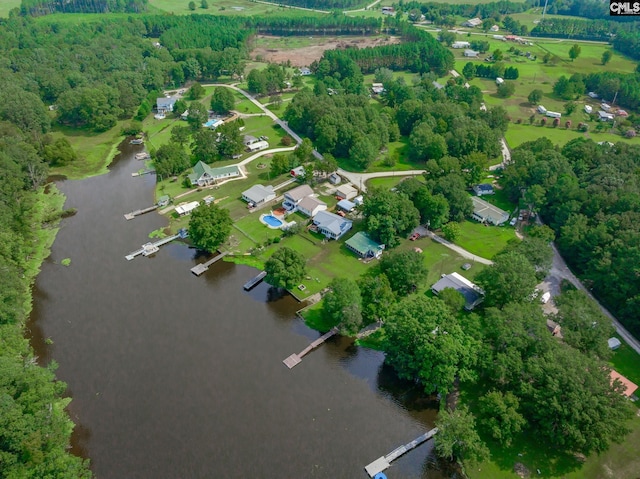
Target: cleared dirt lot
[{"x": 303, "y": 51}]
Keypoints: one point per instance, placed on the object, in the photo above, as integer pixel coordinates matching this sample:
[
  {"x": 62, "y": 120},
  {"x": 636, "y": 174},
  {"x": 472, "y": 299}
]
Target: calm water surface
[{"x": 174, "y": 376}]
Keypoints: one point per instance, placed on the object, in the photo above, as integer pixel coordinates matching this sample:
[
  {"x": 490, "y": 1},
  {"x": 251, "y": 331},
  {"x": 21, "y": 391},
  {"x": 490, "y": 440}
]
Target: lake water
[{"x": 175, "y": 376}]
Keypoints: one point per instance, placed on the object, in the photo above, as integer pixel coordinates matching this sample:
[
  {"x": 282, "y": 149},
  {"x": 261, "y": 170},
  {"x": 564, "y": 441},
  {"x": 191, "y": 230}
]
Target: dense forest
[
  {"x": 589, "y": 194},
  {"x": 44, "y": 7},
  {"x": 436, "y": 12},
  {"x": 334, "y": 24},
  {"x": 325, "y": 4}
]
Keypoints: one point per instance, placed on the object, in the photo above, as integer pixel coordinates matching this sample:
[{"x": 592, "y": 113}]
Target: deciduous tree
[
  {"x": 209, "y": 226},
  {"x": 535, "y": 96},
  {"x": 342, "y": 305},
  {"x": 378, "y": 298},
  {"x": 457, "y": 437},
  {"x": 574, "y": 51},
  {"x": 511, "y": 278},
  {"x": 404, "y": 269},
  {"x": 285, "y": 268},
  {"x": 222, "y": 100},
  {"x": 500, "y": 415}
]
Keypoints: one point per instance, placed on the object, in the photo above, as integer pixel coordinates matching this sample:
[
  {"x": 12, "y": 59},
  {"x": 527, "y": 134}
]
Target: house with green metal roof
[
  {"x": 363, "y": 246},
  {"x": 204, "y": 175}
]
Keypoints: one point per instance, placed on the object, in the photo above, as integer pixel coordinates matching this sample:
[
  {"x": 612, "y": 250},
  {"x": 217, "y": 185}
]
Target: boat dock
[
  {"x": 296, "y": 359},
  {"x": 384, "y": 462},
  {"x": 133, "y": 214},
  {"x": 142, "y": 156},
  {"x": 202, "y": 267},
  {"x": 143, "y": 172},
  {"x": 150, "y": 248},
  {"x": 254, "y": 281}
]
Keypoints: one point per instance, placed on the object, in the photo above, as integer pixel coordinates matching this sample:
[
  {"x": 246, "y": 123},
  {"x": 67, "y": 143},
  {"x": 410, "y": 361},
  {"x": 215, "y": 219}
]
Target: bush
[
  {"x": 630, "y": 133},
  {"x": 583, "y": 127},
  {"x": 286, "y": 140},
  {"x": 556, "y": 122},
  {"x": 567, "y": 124},
  {"x": 543, "y": 122}
]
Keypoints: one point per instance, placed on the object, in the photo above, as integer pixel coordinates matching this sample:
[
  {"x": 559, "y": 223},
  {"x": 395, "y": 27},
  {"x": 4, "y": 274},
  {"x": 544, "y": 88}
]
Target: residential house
[
  {"x": 494, "y": 28},
  {"x": 622, "y": 113},
  {"x": 483, "y": 189},
  {"x": 163, "y": 201},
  {"x": 473, "y": 295},
  {"x": 346, "y": 205},
  {"x": 204, "y": 175},
  {"x": 305, "y": 71},
  {"x": 165, "y": 104},
  {"x": 499, "y": 37},
  {"x": 259, "y": 194},
  {"x": 248, "y": 139},
  {"x": 388, "y": 11},
  {"x": 362, "y": 245},
  {"x": 293, "y": 197},
  {"x": 471, "y": 54},
  {"x": 346, "y": 192},
  {"x": 297, "y": 172},
  {"x": 592, "y": 94},
  {"x": 438, "y": 86},
  {"x": 257, "y": 146},
  {"x": 377, "y": 88},
  {"x": 604, "y": 116},
  {"x": 472, "y": 23},
  {"x": 311, "y": 206},
  {"x": 331, "y": 225},
  {"x": 553, "y": 114},
  {"x": 605, "y": 106},
  {"x": 628, "y": 387},
  {"x": 487, "y": 213},
  {"x": 588, "y": 109},
  {"x": 460, "y": 45},
  {"x": 187, "y": 208}
]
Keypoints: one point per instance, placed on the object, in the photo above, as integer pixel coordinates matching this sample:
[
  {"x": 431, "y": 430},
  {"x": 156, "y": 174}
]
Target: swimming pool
[{"x": 271, "y": 221}]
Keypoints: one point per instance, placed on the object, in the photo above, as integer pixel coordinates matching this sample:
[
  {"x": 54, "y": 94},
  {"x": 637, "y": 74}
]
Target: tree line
[
  {"x": 38, "y": 8},
  {"x": 582, "y": 29},
  {"x": 334, "y": 24},
  {"x": 438, "y": 12}
]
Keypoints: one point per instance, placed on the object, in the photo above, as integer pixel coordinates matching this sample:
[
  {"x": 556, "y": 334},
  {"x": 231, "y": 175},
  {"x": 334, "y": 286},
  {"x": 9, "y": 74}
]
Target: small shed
[
  {"x": 187, "y": 208},
  {"x": 334, "y": 179},
  {"x": 298, "y": 171},
  {"x": 346, "y": 205},
  {"x": 163, "y": 201},
  {"x": 614, "y": 343}
]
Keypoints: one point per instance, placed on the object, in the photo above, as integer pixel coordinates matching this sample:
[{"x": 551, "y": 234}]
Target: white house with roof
[
  {"x": 377, "y": 88},
  {"x": 304, "y": 71},
  {"x": 294, "y": 196},
  {"x": 259, "y": 194},
  {"x": 165, "y": 104},
  {"x": 257, "y": 146},
  {"x": 331, "y": 225},
  {"x": 473, "y": 295},
  {"x": 483, "y": 189},
  {"x": 472, "y": 23},
  {"x": 187, "y": 208},
  {"x": 604, "y": 116},
  {"x": 204, "y": 175},
  {"x": 485, "y": 212},
  {"x": 311, "y": 206},
  {"x": 460, "y": 45},
  {"x": 471, "y": 53}
]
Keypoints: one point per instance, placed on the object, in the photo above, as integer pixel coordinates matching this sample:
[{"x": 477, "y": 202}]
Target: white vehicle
[{"x": 544, "y": 299}]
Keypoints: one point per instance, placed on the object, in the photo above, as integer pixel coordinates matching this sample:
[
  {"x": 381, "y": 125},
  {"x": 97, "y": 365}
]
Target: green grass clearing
[
  {"x": 484, "y": 241},
  {"x": 7, "y": 5}
]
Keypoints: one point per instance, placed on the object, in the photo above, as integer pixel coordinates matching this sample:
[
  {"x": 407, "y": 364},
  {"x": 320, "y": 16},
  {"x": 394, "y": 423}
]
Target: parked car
[{"x": 414, "y": 236}]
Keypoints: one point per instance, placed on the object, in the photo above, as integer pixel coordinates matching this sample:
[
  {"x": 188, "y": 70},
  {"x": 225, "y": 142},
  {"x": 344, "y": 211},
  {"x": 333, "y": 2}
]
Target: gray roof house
[
  {"x": 296, "y": 195},
  {"x": 311, "y": 206},
  {"x": 473, "y": 295},
  {"x": 471, "y": 53},
  {"x": 331, "y": 225},
  {"x": 248, "y": 139},
  {"x": 259, "y": 194},
  {"x": 346, "y": 192},
  {"x": 165, "y": 104},
  {"x": 204, "y": 175},
  {"x": 483, "y": 189},
  {"x": 487, "y": 213}
]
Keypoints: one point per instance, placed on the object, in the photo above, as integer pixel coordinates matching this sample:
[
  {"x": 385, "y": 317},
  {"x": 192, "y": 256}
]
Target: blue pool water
[{"x": 272, "y": 221}]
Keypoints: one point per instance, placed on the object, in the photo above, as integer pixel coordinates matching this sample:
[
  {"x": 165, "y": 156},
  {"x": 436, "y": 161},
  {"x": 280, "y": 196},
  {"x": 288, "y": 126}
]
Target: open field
[
  {"x": 302, "y": 51},
  {"x": 518, "y": 134},
  {"x": 482, "y": 240},
  {"x": 225, "y": 7},
  {"x": 7, "y": 5}
]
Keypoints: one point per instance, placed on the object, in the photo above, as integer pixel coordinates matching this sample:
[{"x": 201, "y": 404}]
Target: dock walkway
[
  {"x": 384, "y": 462},
  {"x": 296, "y": 359},
  {"x": 133, "y": 214},
  {"x": 255, "y": 280},
  {"x": 150, "y": 248},
  {"x": 202, "y": 267}
]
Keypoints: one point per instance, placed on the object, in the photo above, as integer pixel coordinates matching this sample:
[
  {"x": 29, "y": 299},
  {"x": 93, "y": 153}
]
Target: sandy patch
[{"x": 304, "y": 56}]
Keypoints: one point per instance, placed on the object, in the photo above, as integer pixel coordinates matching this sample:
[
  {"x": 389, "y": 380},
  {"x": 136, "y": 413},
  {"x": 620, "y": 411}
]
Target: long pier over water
[
  {"x": 296, "y": 359},
  {"x": 384, "y": 462}
]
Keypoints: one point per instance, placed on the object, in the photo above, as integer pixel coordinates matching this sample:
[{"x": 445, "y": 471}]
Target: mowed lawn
[
  {"x": 224, "y": 7},
  {"x": 7, "y": 5},
  {"x": 484, "y": 241}
]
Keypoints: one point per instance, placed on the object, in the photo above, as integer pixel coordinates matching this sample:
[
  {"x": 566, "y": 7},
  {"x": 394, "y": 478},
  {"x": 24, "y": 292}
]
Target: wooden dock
[
  {"x": 255, "y": 280},
  {"x": 202, "y": 267},
  {"x": 384, "y": 462},
  {"x": 150, "y": 248},
  {"x": 133, "y": 214},
  {"x": 143, "y": 172},
  {"x": 296, "y": 359}
]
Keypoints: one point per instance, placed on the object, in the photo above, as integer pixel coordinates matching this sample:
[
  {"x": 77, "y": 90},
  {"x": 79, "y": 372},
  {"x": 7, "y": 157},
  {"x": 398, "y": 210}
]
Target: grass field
[
  {"x": 7, "y": 5},
  {"x": 95, "y": 150},
  {"x": 485, "y": 241},
  {"x": 226, "y": 7}
]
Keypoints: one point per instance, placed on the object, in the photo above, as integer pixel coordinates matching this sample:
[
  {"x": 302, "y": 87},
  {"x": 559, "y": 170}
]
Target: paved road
[
  {"x": 368, "y": 7},
  {"x": 506, "y": 155},
  {"x": 360, "y": 179}
]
